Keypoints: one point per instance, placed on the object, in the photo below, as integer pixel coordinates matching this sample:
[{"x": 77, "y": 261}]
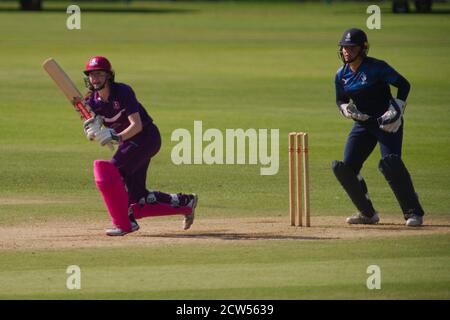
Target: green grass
[
  {"x": 410, "y": 269},
  {"x": 231, "y": 65}
]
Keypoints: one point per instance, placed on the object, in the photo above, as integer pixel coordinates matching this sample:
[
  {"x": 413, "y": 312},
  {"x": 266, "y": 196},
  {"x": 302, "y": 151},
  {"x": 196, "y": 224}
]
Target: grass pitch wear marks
[
  {"x": 363, "y": 94},
  {"x": 125, "y": 120}
]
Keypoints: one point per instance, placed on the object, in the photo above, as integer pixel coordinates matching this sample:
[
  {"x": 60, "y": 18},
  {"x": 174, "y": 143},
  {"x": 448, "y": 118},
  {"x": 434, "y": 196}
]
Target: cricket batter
[
  {"x": 363, "y": 94},
  {"x": 120, "y": 118}
]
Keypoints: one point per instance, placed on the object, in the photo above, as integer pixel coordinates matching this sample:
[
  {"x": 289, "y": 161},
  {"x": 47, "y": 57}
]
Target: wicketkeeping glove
[
  {"x": 391, "y": 120},
  {"x": 350, "y": 111}
]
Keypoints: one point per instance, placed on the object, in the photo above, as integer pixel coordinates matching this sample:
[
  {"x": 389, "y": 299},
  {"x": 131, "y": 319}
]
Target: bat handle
[{"x": 110, "y": 146}]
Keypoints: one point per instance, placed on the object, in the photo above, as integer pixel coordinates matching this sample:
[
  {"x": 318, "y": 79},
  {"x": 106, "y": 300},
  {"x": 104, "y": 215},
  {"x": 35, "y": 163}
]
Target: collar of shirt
[
  {"x": 348, "y": 69},
  {"x": 112, "y": 95}
]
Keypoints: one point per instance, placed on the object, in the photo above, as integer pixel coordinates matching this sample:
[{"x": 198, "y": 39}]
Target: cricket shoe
[
  {"x": 414, "y": 220},
  {"x": 189, "y": 218},
  {"x": 359, "y": 218},
  {"x": 116, "y": 231}
]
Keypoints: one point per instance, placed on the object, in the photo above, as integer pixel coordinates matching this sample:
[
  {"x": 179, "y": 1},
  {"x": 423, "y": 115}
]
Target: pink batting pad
[
  {"x": 110, "y": 185},
  {"x": 158, "y": 209}
]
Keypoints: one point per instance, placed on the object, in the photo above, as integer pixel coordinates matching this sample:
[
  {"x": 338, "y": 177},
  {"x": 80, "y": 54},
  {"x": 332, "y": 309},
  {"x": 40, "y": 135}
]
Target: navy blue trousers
[{"x": 362, "y": 140}]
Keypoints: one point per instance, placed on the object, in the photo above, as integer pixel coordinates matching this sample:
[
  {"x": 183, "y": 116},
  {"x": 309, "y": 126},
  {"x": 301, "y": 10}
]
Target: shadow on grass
[
  {"x": 416, "y": 13},
  {"x": 389, "y": 12},
  {"x": 389, "y": 226},
  {"x": 103, "y": 10},
  {"x": 234, "y": 236}
]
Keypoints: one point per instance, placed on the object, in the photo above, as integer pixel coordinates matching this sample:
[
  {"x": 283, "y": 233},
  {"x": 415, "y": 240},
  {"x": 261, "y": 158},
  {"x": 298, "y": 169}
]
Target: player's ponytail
[
  {"x": 112, "y": 76},
  {"x": 88, "y": 95}
]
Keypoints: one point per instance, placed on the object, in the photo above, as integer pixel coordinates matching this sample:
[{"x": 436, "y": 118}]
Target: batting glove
[
  {"x": 92, "y": 127},
  {"x": 107, "y": 135}
]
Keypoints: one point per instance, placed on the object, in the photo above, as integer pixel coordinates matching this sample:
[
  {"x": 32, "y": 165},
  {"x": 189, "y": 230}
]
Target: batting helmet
[{"x": 97, "y": 63}]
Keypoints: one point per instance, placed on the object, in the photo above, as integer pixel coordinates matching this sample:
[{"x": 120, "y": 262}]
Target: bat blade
[{"x": 67, "y": 86}]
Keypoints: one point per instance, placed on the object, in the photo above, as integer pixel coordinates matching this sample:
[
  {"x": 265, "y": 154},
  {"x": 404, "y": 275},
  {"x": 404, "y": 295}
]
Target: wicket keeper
[
  {"x": 120, "y": 118},
  {"x": 363, "y": 95}
]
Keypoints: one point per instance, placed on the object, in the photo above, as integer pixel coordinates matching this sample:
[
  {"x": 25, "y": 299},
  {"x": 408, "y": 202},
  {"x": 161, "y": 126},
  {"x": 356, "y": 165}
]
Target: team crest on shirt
[
  {"x": 363, "y": 78},
  {"x": 116, "y": 105}
]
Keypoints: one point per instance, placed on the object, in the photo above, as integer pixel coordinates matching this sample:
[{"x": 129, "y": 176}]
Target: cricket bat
[{"x": 69, "y": 89}]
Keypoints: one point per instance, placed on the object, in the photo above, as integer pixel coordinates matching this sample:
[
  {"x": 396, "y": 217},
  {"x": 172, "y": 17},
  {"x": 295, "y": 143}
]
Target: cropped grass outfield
[{"x": 231, "y": 65}]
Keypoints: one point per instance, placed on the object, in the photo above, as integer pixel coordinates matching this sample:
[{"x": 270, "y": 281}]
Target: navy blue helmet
[{"x": 354, "y": 37}]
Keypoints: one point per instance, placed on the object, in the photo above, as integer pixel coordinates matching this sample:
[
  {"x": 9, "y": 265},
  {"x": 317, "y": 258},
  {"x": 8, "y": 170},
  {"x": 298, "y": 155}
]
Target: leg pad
[
  {"x": 158, "y": 209},
  {"x": 110, "y": 184},
  {"x": 396, "y": 174},
  {"x": 355, "y": 187}
]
